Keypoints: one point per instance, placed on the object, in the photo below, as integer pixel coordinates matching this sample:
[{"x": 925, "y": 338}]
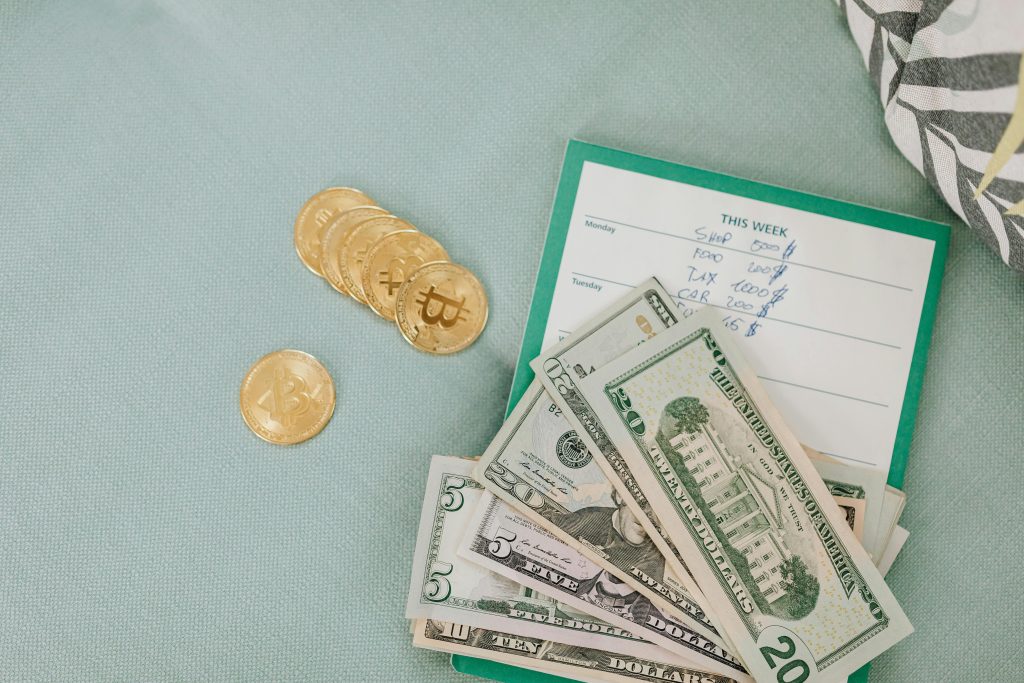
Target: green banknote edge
[{"x": 578, "y": 152}]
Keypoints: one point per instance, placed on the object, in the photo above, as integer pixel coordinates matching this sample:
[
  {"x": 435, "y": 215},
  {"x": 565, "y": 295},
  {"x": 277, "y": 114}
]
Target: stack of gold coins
[{"x": 386, "y": 263}]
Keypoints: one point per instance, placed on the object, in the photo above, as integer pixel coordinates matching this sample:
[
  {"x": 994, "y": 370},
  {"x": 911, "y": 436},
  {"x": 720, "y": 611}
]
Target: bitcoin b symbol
[
  {"x": 397, "y": 272},
  {"x": 439, "y": 317},
  {"x": 287, "y": 399}
]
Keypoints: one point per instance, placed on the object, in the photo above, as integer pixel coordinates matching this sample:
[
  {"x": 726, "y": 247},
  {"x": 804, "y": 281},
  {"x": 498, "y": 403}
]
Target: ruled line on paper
[
  {"x": 752, "y": 253},
  {"x": 847, "y": 457},
  {"x": 791, "y": 322},
  {"x": 825, "y": 391},
  {"x": 747, "y": 313},
  {"x": 603, "y": 279}
]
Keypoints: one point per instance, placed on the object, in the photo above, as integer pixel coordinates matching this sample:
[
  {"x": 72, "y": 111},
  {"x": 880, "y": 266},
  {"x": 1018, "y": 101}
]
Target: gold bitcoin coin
[
  {"x": 390, "y": 262},
  {"x": 335, "y": 233},
  {"x": 441, "y": 308},
  {"x": 357, "y": 244},
  {"x": 314, "y": 215},
  {"x": 287, "y": 397}
]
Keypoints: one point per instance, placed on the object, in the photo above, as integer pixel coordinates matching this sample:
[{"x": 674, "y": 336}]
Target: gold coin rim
[
  {"x": 372, "y": 300},
  {"x": 400, "y": 313},
  {"x": 353, "y": 285},
  {"x": 298, "y": 235},
  {"x": 262, "y": 432},
  {"x": 336, "y": 282}
]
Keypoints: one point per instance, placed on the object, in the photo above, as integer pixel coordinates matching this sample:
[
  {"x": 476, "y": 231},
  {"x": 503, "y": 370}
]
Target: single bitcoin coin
[
  {"x": 315, "y": 214},
  {"x": 390, "y": 262},
  {"x": 287, "y": 397},
  {"x": 441, "y": 308},
  {"x": 335, "y": 233},
  {"x": 357, "y": 244}
]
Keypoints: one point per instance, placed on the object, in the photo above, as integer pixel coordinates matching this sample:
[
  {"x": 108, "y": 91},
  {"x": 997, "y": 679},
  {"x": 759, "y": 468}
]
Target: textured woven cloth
[
  {"x": 154, "y": 156},
  {"x": 950, "y": 74}
]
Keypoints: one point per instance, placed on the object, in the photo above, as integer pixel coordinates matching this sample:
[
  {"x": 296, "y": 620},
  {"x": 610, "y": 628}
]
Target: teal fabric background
[{"x": 154, "y": 155}]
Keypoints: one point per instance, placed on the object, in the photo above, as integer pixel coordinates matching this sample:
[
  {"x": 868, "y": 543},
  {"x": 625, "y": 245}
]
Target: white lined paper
[{"x": 827, "y": 310}]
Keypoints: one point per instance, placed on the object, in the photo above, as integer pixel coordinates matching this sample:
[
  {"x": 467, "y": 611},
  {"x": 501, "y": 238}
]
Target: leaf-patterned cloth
[{"x": 950, "y": 74}]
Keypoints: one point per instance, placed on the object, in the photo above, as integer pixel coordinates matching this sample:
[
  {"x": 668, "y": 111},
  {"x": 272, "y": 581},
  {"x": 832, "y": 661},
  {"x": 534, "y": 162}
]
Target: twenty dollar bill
[{"x": 797, "y": 595}]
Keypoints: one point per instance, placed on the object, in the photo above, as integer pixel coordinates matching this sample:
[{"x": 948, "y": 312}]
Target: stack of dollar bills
[{"x": 645, "y": 514}]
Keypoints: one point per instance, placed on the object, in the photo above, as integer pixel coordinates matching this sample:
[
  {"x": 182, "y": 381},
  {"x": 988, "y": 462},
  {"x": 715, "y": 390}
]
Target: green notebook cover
[{"x": 576, "y": 154}]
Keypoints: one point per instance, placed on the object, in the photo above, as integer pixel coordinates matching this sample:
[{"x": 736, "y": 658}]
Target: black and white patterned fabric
[{"x": 950, "y": 75}]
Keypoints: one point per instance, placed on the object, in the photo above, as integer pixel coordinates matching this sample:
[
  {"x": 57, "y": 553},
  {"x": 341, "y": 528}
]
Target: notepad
[{"x": 831, "y": 302}]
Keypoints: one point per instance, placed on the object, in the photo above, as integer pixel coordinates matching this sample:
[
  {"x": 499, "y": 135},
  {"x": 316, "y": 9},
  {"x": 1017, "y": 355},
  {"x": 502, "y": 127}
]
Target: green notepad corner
[{"x": 485, "y": 668}]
